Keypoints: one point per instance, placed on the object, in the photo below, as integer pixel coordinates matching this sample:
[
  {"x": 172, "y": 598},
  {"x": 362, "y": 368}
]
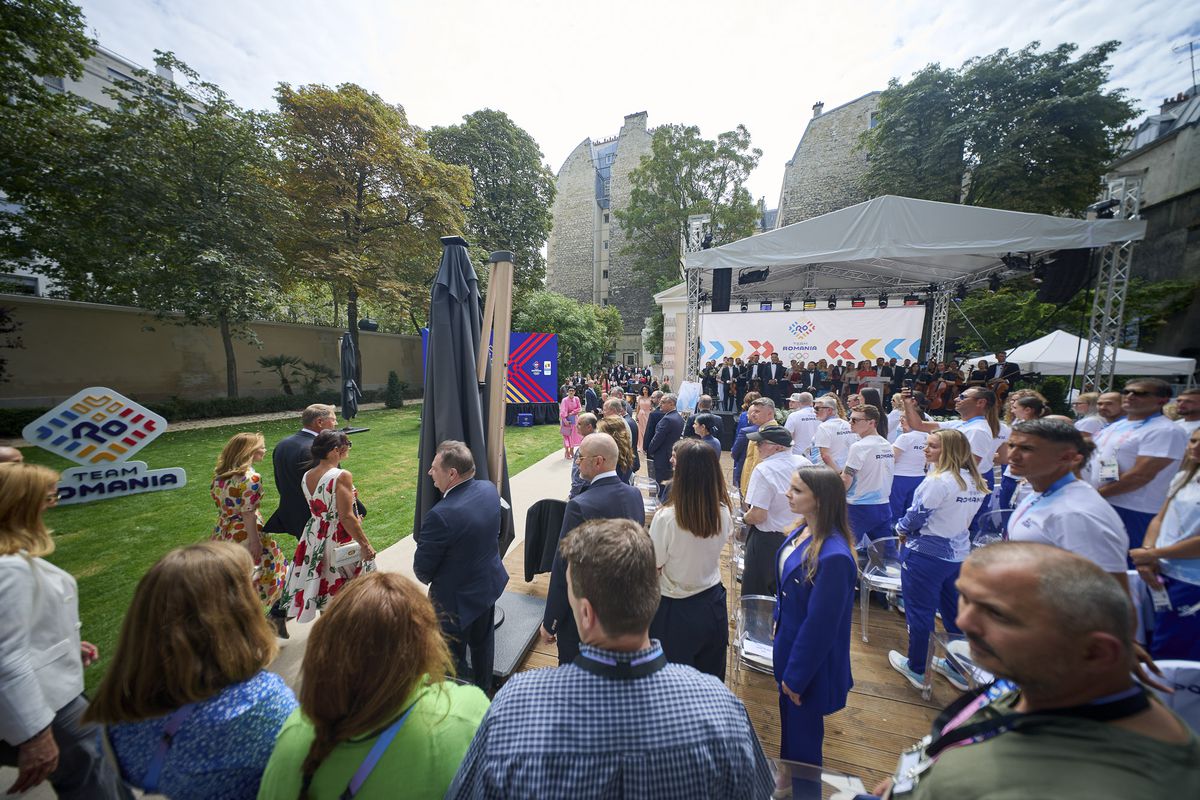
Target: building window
[
  {"x": 606, "y": 244},
  {"x": 605, "y": 217},
  {"x": 604, "y": 301},
  {"x": 116, "y": 75},
  {"x": 872, "y": 120},
  {"x": 53, "y": 84},
  {"x": 19, "y": 284},
  {"x": 606, "y": 274},
  {"x": 605, "y": 188}
]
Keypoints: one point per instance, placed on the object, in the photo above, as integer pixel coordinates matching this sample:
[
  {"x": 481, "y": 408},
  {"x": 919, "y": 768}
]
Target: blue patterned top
[
  {"x": 568, "y": 732},
  {"x": 221, "y": 750}
]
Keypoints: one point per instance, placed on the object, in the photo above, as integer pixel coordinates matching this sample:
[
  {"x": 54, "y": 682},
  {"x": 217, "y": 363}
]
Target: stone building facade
[
  {"x": 584, "y": 259},
  {"x": 825, "y": 171}
]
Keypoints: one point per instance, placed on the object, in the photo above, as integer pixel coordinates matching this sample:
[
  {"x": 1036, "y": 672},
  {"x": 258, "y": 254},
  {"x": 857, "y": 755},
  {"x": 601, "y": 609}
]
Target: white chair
[
  {"x": 1184, "y": 677},
  {"x": 881, "y": 572},
  {"x": 808, "y": 781},
  {"x": 755, "y": 633}
]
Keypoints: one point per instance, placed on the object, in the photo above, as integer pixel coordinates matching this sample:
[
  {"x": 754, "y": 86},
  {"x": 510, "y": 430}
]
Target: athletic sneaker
[
  {"x": 900, "y": 663},
  {"x": 943, "y": 667}
]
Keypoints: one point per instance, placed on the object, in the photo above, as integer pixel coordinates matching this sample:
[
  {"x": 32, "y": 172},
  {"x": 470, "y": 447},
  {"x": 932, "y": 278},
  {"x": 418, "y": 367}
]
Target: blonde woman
[
  {"x": 187, "y": 665},
  {"x": 936, "y": 529},
  {"x": 237, "y": 490},
  {"x": 41, "y": 685},
  {"x": 619, "y": 431},
  {"x": 375, "y": 667}
]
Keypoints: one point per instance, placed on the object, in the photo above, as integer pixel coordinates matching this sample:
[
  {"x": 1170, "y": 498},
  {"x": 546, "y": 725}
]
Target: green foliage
[
  {"x": 312, "y": 375},
  {"x": 393, "y": 395},
  {"x": 284, "y": 366},
  {"x": 10, "y": 339},
  {"x": 39, "y": 38},
  {"x": 1025, "y": 131},
  {"x": 514, "y": 189},
  {"x": 1054, "y": 389},
  {"x": 586, "y": 333},
  {"x": 654, "y": 345},
  {"x": 1013, "y": 315},
  {"x": 686, "y": 174}
]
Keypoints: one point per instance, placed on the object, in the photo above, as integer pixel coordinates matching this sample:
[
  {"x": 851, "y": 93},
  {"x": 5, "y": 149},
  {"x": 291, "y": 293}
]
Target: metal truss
[
  {"x": 937, "y": 326},
  {"x": 1112, "y": 286},
  {"x": 691, "y": 364}
]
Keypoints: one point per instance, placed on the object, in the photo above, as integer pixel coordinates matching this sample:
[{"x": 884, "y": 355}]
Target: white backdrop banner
[{"x": 851, "y": 334}]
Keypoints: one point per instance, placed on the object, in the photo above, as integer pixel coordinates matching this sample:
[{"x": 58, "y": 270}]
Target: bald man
[{"x": 10, "y": 455}]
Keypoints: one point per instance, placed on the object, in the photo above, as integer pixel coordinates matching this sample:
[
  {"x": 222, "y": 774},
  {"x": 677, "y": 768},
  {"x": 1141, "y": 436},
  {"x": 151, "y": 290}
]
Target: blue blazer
[
  {"x": 607, "y": 498},
  {"x": 458, "y": 552},
  {"x": 666, "y": 434},
  {"x": 741, "y": 443},
  {"x": 812, "y": 625}
]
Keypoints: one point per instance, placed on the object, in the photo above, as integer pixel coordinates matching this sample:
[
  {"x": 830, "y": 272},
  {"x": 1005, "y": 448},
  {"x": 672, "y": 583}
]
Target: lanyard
[
  {"x": 1028, "y": 505},
  {"x": 623, "y": 670},
  {"x": 377, "y": 751},
  {"x": 1126, "y": 432},
  {"x": 174, "y": 723}
]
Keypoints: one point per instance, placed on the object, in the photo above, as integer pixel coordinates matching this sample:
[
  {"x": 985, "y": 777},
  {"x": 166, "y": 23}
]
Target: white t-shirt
[
  {"x": 941, "y": 509},
  {"x": 1127, "y": 439},
  {"x": 1072, "y": 515},
  {"x": 874, "y": 463},
  {"x": 1189, "y": 427},
  {"x": 979, "y": 434},
  {"x": 802, "y": 424},
  {"x": 689, "y": 564},
  {"x": 1091, "y": 424},
  {"x": 834, "y": 434},
  {"x": 910, "y": 463},
  {"x": 893, "y": 419},
  {"x": 768, "y": 489},
  {"x": 1182, "y": 521}
]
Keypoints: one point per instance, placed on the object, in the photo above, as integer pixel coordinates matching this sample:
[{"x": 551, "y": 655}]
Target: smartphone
[{"x": 909, "y": 383}]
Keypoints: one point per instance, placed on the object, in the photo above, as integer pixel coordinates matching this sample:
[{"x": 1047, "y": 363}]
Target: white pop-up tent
[{"x": 1061, "y": 353}]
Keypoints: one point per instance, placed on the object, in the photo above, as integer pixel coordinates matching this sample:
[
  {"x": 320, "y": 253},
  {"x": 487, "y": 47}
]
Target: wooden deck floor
[{"x": 884, "y": 714}]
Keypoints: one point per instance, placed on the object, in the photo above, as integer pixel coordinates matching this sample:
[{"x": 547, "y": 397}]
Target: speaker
[
  {"x": 1065, "y": 276},
  {"x": 722, "y": 279}
]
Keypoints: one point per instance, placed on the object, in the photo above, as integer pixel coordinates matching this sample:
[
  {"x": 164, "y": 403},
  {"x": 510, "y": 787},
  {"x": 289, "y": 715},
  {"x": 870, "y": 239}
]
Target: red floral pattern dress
[
  {"x": 311, "y": 581},
  {"x": 239, "y": 496}
]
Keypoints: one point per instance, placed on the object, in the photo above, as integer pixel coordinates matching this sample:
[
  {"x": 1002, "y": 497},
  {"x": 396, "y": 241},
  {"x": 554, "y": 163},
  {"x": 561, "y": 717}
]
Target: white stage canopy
[
  {"x": 900, "y": 241},
  {"x": 1056, "y": 354}
]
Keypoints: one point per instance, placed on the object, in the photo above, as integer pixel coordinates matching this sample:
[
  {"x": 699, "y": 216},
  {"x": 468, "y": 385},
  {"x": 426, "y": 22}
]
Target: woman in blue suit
[{"x": 817, "y": 571}]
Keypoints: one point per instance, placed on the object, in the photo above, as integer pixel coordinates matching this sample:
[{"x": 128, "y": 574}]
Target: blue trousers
[
  {"x": 1008, "y": 486},
  {"x": 1136, "y": 523},
  {"x": 989, "y": 478},
  {"x": 694, "y": 630},
  {"x": 870, "y": 522},
  {"x": 928, "y": 586},
  {"x": 1177, "y": 636},
  {"x": 903, "y": 487},
  {"x": 802, "y": 732}
]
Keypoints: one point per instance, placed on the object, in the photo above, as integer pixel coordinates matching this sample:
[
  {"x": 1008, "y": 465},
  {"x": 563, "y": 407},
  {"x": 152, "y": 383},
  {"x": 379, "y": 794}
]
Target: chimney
[
  {"x": 818, "y": 107},
  {"x": 165, "y": 73}
]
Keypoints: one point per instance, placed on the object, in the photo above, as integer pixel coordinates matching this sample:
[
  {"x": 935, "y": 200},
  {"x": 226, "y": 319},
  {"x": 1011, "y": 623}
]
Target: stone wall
[
  {"x": 634, "y": 302},
  {"x": 824, "y": 173},
  {"x": 571, "y": 251}
]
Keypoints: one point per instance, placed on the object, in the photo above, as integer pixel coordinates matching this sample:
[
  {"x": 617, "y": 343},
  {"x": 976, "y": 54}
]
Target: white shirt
[
  {"x": 689, "y": 564},
  {"x": 1091, "y": 424},
  {"x": 979, "y": 434},
  {"x": 768, "y": 489},
  {"x": 910, "y": 463},
  {"x": 834, "y": 435},
  {"x": 874, "y": 463},
  {"x": 802, "y": 424},
  {"x": 1182, "y": 521},
  {"x": 1124, "y": 441},
  {"x": 1189, "y": 426},
  {"x": 1073, "y": 517},
  {"x": 944, "y": 510},
  {"x": 893, "y": 419}
]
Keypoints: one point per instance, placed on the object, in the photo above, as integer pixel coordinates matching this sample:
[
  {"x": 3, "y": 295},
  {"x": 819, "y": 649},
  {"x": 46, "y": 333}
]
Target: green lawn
[{"x": 109, "y": 544}]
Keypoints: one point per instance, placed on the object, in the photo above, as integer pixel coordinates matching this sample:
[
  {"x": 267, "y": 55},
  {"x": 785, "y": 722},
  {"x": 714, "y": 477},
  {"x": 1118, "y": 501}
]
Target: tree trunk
[
  {"x": 352, "y": 319},
  {"x": 231, "y": 386}
]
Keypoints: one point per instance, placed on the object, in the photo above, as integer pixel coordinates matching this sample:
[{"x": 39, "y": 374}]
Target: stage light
[
  {"x": 912, "y": 300},
  {"x": 753, "y": 276},
  {"x": 931, "y": 289},
  {"x": 858, "y": 301},
  {"x": 994, "y": 283},
  {"x": 745, "y": 305},
  {"x": 810, "y": 302},
  {"x": 883, "y": 300},
  {"x": 764, "y": 305},
  {"x": 787, "y": 304},
  {"x": 961, "y": 291},
  {"x": 832, "y": 302}
]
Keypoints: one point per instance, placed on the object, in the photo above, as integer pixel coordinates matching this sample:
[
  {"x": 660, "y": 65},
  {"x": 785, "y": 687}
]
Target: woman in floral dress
[
  {"x": 237, "y": 491},
  {"x": 331, "y": 497}
]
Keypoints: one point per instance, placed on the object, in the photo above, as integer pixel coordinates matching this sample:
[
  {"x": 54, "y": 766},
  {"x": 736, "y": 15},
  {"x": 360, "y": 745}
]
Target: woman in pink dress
[
  {"x": 568, "y": 411},
  {"x": 644, "y": 407}
]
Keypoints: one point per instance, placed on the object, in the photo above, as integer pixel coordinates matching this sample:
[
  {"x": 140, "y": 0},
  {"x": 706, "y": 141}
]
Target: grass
[{"x": 109, "y": 544}]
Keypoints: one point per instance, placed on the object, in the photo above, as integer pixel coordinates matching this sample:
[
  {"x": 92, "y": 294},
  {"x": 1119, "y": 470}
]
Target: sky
[{"x": 566, "y": 71}]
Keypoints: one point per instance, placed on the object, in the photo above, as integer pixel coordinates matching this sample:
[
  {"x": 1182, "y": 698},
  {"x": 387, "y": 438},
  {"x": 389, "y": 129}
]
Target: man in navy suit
[
  {"x": 605, "y": 497},
  {"x": 457, "y": 555},
  {"x": 591, "y": 398},
  {"x": 666, "y": 434}
]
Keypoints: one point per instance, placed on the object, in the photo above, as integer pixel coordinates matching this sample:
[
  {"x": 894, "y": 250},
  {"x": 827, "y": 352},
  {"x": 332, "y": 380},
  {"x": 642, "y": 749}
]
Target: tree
[
  {"x": 686, "y": 174},
  {"x": 373, "y": 200},
  {"x": 586, "y": 333},
  {"x": 514, "y": 189},
  {"x": 38, "y": 38},
  {"x": 1025, "y": 131},
  {"x": 170, "y": 202}
]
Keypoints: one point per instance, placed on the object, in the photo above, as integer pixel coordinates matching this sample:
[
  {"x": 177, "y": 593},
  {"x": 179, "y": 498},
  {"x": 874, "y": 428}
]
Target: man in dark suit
[
  {"x": 457, "y": 555},
  {"x": 591, "y": 398},
  {"x": 291, "y": 458},
  {"x": 666, "y": 434},
  {"x": 1003, "y": 370},
  {"x": 727, "y": 379},
  {"x": 605, "y": 497},
  {"x": 776, "y": 382}
]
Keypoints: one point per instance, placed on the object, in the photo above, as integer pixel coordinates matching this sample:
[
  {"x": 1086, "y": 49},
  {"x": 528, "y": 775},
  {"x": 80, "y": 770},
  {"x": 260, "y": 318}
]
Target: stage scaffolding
[{"x": 1112, "y": 285}]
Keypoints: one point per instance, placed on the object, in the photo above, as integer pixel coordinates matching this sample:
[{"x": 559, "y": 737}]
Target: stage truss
[{"x": 1112, "y": 286}]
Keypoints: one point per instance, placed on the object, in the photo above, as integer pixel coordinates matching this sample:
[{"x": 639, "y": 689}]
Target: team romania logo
[{"x": 801, "y": 330}]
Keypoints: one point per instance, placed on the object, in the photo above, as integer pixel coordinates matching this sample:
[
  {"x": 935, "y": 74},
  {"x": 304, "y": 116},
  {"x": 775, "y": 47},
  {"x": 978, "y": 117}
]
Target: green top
[
  {"x": 419, "y": 763},
  {"x": 1068, "y": 759}
]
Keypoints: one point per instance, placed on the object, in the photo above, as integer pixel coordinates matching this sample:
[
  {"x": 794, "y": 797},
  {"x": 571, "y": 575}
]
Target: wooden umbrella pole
[
  {"x": 500, "y": 292},
  {"x": 489, "y": 313}
]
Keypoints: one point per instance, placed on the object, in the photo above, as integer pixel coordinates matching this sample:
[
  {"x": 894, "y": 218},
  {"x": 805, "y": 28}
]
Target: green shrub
[
  {"x": 393, "y": 395},
  {"x": 1054, "y": 389},
  {"x": 12, "y": 420}
]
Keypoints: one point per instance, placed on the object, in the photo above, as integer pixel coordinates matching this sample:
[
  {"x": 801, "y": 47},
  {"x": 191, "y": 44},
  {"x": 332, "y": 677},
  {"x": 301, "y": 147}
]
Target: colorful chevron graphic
[
  {"x": 532, "y": 367},
  {"x": 95, "y": 426}
]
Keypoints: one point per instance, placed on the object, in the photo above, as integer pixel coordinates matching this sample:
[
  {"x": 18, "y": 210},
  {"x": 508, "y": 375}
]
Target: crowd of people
[{"x": 389, "y": 704}]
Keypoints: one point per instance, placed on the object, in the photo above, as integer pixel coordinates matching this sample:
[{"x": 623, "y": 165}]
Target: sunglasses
[{"x": 1137, "y": 392}]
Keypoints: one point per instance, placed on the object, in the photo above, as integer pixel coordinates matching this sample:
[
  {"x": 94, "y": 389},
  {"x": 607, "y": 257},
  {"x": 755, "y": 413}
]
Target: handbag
[{"x": 343, "y": 555}]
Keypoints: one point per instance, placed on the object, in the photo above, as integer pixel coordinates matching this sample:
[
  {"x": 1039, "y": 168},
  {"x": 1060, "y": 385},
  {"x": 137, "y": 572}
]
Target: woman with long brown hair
[
  {"x": 817, "y": 570},
  {"x": 619, "y": 431},
  {"x": 375, "y": 667},
  {"x": 189, "y": 670},
  {"x": 238, "y": 491},
  {"x": 41, "y": 686},
  {"x": 689, "y": 533}
]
